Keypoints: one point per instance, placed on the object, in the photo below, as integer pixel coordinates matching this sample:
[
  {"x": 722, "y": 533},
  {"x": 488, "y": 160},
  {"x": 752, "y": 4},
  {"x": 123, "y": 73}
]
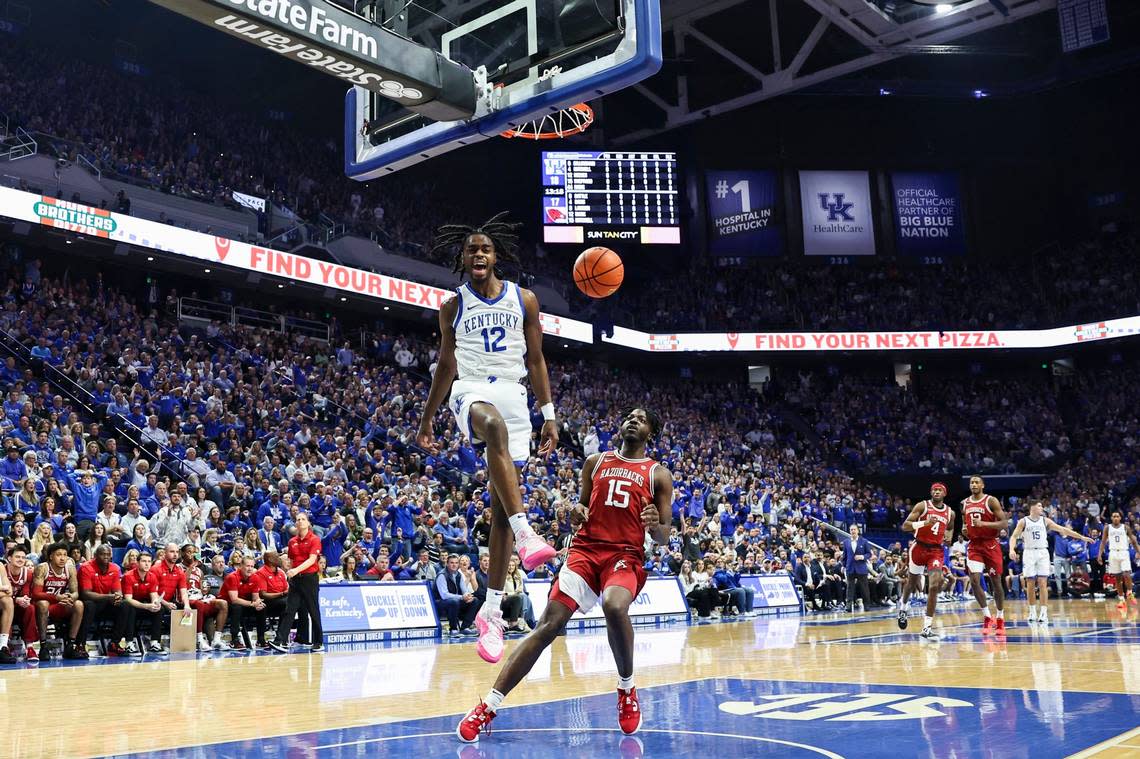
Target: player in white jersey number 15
[
  {"x": 1033, "y": 531},
  {"x": 490, "y": 339}
]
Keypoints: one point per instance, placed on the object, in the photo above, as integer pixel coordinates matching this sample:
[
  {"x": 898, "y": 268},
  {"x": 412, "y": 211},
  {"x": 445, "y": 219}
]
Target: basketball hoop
[{"x": 554, "y": 126}]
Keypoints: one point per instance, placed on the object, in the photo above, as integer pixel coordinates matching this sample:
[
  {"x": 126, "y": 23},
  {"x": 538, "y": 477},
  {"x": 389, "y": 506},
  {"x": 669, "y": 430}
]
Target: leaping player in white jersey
[
  {"x": 490, "y": 338},
  {"x": 1034, "y": 534},
  {"x": 1117, "y": 536}
]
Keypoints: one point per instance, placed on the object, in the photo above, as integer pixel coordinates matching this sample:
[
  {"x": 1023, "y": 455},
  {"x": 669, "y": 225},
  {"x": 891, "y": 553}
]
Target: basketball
[{"x": 599, "y": 272}]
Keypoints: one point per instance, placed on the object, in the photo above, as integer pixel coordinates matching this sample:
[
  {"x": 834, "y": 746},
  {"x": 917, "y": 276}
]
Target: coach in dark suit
[
  {"x": 856, "y": 552},
  {"x": 812, "y": 580}
]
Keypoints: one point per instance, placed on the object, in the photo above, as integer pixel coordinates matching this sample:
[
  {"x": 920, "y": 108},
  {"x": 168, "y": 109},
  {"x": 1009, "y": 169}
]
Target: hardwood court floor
[{"x": 828, "y": 685}]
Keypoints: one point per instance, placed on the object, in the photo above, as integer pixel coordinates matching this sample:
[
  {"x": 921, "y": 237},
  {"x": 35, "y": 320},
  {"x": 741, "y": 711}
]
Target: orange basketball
[{"x": 598, "y": 272}]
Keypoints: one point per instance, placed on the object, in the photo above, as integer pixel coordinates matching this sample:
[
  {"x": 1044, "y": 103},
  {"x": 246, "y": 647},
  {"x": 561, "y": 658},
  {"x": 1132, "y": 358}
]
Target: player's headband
[{"x": 939, "y": 485}]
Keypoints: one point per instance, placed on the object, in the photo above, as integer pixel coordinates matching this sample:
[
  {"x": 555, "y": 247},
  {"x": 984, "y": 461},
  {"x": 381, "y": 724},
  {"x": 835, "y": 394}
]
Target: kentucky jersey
[
  {"x": 1035, "y": 537},
  {"x": 1117, "y": 538},
  {"x": 489, "y": 339},
  {"x": 619, "y": 487}
]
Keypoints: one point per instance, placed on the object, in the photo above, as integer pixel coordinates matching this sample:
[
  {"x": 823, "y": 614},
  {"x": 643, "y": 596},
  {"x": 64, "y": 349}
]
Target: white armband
[{"x": 548, "y": 412}]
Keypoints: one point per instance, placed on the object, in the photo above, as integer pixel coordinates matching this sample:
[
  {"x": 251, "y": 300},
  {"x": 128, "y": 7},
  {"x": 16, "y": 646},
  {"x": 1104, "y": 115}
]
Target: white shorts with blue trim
[
  {"x": 1119, "y": 563},
  {"x": 1035, "y": 562},
  {"x": 508, "y": 398}
]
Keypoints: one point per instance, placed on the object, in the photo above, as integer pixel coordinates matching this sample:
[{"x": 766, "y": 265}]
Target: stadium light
[{"x": 944, "y": 7}]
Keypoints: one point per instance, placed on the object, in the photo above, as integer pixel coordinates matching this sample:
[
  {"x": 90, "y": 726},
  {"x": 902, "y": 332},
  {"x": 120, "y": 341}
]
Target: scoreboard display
[{"x": 607, "y": 196}]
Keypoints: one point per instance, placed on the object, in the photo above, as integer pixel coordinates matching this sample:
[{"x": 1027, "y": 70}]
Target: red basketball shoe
[
  {"x": 999, "y": 627},
  {"x": 629, "y": 711},
  {"x": 476, "y": 721},
  {"x": 988, "y": 626}
]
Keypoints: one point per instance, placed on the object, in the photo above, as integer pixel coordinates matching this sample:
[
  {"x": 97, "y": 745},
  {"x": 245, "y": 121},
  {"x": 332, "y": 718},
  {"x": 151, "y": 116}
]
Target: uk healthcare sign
[
  {"x": 837, "y": 213},
  {"x": 377, "y": 606},
  {"x": 661, "y": 597},
  {"x": 96, "y": 222},
  {"x": 745, "y": 218},
  {"x": 928, "y": 214}
]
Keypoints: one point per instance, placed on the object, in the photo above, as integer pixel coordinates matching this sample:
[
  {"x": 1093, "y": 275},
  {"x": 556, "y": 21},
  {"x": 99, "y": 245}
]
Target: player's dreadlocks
[
  {"x": 650, "y": 416},
  {"x": 504, "y": 236}
]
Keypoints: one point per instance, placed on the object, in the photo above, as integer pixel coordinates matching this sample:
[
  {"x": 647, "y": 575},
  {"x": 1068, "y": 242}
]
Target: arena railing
[{"x": 204, "y": 312}]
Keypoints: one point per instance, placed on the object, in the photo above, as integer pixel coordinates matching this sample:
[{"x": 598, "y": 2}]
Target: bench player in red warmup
[
  {"x": 623, "y": 494},
  {"x": 982, "y": 519},
  {"x": 932, "y": 523}
]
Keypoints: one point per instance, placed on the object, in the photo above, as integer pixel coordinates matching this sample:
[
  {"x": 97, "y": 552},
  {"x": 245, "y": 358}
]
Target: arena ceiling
[{"x": 727, "y": 54}]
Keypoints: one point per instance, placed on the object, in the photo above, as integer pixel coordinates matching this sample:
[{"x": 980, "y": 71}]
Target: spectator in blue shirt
[
  {"x": 454, "y": 536},
  {"x": 12, "y": 465},
  {"x": 729, "y": 582},
  {"x": 727, "y": 525},
  {"x": 401, "y": 516},
  {"x": 456, "y": 597},
  {"x": 332, "y": 542},
  {"x": 87, "y": 489}
]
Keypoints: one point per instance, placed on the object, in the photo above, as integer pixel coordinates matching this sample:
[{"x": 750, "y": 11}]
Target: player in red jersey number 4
[
  {"x": 932, "y": 523},
  {"x": 623, "y": 494}
]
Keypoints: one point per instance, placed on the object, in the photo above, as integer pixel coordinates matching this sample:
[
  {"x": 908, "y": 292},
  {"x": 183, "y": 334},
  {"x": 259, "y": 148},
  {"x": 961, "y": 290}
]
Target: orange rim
[{"x": 554, "y": 126}]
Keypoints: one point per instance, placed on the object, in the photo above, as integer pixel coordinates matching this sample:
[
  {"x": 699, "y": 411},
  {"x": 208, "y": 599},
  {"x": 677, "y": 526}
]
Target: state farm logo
[
  {"x": 1097, "y": 331},
  {"x": 664, "y": 343},
  {"x": 733, "y": 339},
  {"x": 554, "y": 215},
  {"x": 222, "y": 246}
]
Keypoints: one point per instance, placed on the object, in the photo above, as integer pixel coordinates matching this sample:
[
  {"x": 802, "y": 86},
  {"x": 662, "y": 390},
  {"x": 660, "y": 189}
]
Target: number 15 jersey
[
  {"x": 619, "y": 488},
  {"x": 490, "y": 343}
]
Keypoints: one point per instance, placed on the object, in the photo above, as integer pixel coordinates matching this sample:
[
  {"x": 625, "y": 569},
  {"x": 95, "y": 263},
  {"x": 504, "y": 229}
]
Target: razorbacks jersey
[
  {"x": 1035, "y": 536},
  {"x": 21, "y": 581},
  {"x": 618, "y": 488},
  {"x": 978, "y": 511},
  {"x": 56, "y": 584},
  {"x": 194, "y": 579},
  {"x": 489, "y": 339},
  {"x": 1117, "y": 538},
  {"x": 937, "y": 522}
]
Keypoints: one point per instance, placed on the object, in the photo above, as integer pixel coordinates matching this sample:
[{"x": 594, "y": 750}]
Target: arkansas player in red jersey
[
  {"x": 55, "y": 590},
  {"x": 623, "y": 494},
  {"x": 20, "y": 579},
  {"x": 982, "y": 519},
  {"x": 932, "y": 523},
  {"x": 210, "y": 609}
]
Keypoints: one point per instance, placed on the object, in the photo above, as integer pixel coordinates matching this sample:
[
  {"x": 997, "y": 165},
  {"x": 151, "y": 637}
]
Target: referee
[{"x": 304, "y": 551}]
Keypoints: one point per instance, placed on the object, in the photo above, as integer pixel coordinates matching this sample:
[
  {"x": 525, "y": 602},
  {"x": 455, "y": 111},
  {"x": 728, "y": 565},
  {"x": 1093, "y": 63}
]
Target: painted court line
[
  {"x": 1105, "y": 745},
  {"x": 756, "y": 738}
]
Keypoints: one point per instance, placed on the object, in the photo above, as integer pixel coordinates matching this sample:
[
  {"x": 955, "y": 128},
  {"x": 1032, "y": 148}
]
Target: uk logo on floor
[
  {"x": 758, "y": 718},
  {"x": 845, "y": 707}
]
